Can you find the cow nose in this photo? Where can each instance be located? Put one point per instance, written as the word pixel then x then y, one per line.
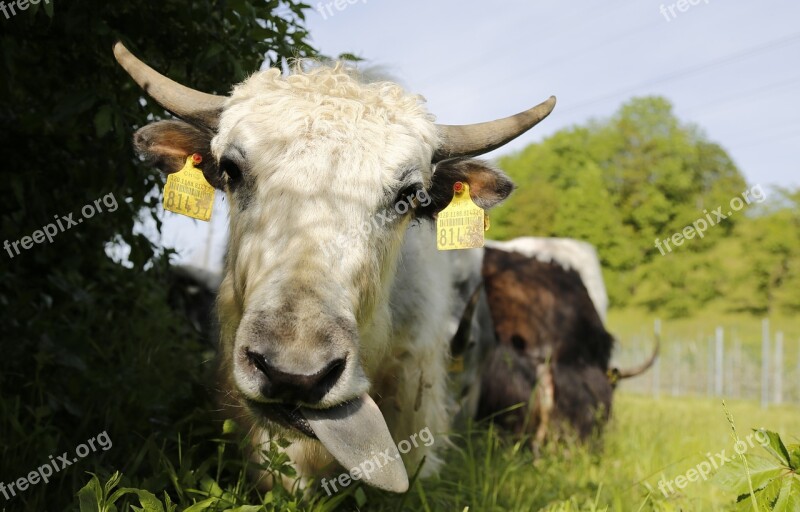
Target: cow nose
pixel 291 387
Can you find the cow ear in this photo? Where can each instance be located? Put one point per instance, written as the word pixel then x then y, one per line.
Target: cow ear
pixel 488 186
pixel 167 144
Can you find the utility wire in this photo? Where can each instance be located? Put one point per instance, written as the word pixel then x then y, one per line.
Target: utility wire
pixel 555 28
pixel 744 94
pixel 689 71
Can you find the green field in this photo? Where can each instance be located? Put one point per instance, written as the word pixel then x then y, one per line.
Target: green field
pixel 647 440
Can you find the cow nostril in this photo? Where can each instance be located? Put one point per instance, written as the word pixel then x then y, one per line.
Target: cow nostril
pixel 296 387
pixel 330 375
pixel 258 361
pixel 518 342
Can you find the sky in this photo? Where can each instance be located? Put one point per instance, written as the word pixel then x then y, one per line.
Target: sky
pixel 732 68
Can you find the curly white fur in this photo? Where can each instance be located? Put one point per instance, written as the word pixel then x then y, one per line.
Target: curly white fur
pixel 324 152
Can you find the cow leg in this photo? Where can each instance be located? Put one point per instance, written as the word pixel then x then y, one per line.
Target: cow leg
pixel 545 402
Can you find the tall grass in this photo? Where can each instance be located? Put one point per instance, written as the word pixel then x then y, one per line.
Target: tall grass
pixel 647 440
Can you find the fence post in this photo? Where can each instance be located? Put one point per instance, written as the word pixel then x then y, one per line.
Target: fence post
pixel 737 371
pixel 676 373
pixel 710 371
pixel 778 384
pixel 765 353
pixel 718 366
pixel 657 368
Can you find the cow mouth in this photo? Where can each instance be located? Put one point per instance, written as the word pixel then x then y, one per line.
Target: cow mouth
pixel 288 416
pixel 353 432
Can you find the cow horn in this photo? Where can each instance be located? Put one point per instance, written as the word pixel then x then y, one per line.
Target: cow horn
pixel 638 370
pixel 477 139
pixel 188 104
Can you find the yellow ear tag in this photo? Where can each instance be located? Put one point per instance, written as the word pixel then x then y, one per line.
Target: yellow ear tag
pixel 456 365
pixel 187 192
pixel 461 224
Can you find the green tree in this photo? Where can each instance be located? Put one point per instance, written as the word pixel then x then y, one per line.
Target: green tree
pixel 90 345
pixel 622 183
pixel 769 282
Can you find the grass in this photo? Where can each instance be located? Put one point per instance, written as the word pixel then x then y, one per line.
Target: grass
pixel 647 440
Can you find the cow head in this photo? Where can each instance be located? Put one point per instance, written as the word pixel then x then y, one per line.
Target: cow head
pixel 323 175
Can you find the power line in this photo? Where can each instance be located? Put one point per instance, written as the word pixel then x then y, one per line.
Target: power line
pixel 692 70
pixel 758 142
pixel 556 28
pixel 744 94
pixel 561 60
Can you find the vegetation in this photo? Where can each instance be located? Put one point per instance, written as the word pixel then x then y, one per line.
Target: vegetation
pixel 647 441
pixel 763 483
pixel 643 175
pixel 89 344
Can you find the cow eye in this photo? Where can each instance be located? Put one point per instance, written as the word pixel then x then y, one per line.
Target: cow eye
pixel 518 342
pixel 408 195
pixel 231 170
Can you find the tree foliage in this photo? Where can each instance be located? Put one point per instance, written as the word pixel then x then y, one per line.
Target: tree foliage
pixel 91 345
pixel 642 175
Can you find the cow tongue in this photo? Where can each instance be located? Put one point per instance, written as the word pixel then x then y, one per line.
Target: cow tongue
pixel 355 433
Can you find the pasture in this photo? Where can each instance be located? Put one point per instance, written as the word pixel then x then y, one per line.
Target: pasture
pixel 716 354
pixel 646 441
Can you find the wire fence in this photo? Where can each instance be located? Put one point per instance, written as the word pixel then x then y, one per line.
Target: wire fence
pixel 718 363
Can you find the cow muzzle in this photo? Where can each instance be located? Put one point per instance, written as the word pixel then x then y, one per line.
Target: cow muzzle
pixel 323 399
pixel 353 432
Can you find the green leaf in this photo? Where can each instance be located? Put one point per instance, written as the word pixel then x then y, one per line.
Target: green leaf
pixel 211 487
pixel 794 456
pixel 103 121
pixel 789 497
pixel 766 496
pixel 147 499
pixel 90 496
pixel 200 506
pixel 775 446
pixel 229 426
pixel 732 476
pixel 361 497
pixel 349 57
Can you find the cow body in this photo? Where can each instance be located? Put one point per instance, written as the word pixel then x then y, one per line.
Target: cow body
pixel 569 254
pixel 543 343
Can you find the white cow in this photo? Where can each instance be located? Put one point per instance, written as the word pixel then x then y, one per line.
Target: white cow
pixel 338 343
